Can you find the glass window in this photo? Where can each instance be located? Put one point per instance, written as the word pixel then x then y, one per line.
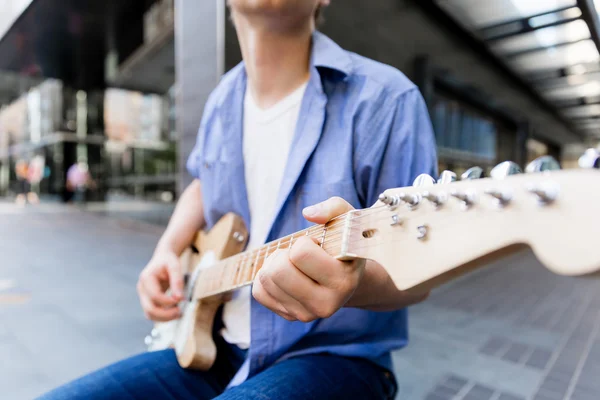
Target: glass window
pixel 460 128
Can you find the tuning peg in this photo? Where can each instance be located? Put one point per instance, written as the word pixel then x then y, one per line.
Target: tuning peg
pixel 424 180
pixel 390 201
pixel 447 177
pixel 590 159
pixel 544 163
pixel 472 173
pixel 505 169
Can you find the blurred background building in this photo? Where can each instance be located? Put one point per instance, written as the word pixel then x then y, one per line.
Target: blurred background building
pixel 121 84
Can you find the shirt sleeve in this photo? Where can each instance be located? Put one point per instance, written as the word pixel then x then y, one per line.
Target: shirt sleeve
pixel 196 158
pixel 400 146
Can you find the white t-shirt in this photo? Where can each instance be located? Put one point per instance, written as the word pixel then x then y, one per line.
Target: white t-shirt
pixel 268 135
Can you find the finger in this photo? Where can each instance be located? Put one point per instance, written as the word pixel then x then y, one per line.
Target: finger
pixel 315 263
pixel 295 284
pixel 175 277
pixel 264 298
pixel 152 288
pixel 286 301
pixel 159 314
pixel 323 212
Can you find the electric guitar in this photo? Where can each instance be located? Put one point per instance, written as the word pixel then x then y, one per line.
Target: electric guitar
pixel 423 236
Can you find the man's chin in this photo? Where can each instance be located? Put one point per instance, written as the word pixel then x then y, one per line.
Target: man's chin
pixel 273 7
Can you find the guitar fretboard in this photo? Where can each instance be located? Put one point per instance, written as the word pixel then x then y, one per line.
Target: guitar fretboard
pixel 241 269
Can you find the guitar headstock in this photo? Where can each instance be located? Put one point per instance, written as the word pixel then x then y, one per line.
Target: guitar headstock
pixel 425 235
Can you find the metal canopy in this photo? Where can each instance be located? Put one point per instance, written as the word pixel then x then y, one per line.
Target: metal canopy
pixel 552 44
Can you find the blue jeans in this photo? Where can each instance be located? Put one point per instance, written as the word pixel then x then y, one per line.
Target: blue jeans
pixel 158 376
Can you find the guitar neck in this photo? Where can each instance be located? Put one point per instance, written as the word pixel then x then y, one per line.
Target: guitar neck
pixel 241 269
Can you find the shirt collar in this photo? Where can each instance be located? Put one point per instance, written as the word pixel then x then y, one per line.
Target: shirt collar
pixel 328 54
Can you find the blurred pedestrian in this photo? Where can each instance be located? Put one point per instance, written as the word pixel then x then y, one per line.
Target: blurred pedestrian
pixel 21 172
pixel 78 181
pixel 35 174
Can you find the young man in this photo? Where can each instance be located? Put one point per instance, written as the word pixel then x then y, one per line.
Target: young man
pixel 299 122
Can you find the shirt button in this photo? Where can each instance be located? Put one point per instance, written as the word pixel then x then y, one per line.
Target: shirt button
pixel 206 165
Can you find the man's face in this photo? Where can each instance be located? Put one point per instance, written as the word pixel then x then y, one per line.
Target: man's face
pixel 297 8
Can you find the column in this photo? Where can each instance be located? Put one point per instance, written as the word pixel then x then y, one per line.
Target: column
pixel 199 59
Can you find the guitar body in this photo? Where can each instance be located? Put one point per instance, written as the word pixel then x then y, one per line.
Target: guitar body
pixel 191 335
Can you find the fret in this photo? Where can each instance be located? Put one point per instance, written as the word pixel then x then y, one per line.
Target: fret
pixel 223 271
pixel 247 261
pixel 291 241
pixel 255 263
pixel 246 269
pixel 278 244
pixel 323 238
pixel 236 271
pixel 266 254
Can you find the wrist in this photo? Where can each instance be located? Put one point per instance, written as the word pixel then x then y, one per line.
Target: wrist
pixel 164 246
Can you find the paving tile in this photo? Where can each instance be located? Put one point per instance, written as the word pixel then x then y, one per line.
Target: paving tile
pixel 445 391
pixel 454 382
pixel 505 396
pixel 479 392
pixel 539 358
pixel 515 352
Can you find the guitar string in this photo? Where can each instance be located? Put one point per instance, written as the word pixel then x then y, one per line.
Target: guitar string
pixel 285 241
pixel 377 240
pixel 241 264
pixel 373 241
pixel 317 231
pixel 336 237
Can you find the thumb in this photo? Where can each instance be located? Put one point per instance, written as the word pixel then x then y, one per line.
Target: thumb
pixel 175 276
pixel 323 212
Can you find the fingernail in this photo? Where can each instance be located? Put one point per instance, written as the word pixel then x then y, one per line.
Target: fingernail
pixel 311 211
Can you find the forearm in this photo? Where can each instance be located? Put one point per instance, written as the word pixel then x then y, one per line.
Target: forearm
pixel 377 292
pixel 186 221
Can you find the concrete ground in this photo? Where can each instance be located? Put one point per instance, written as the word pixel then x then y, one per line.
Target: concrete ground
pixel 68 306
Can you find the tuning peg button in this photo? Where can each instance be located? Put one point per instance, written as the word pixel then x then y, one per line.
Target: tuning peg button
pixel 424 180
pixel 437 199
pixel 447 177
pixel 468 198
pixel 412 200
pixel 541 164
pixel 390 201
pixel 472 173
pixel 505 169
pixel 502 198
pixel 590 159
pixel 545 194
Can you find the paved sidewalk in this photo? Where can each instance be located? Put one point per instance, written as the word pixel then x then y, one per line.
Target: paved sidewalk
pixel 67 295
pixel 68 306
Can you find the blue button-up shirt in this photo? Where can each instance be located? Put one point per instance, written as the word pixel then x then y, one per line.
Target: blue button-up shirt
pixel 363 127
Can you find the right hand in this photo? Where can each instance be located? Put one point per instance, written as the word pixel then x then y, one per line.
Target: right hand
pixel 163 272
